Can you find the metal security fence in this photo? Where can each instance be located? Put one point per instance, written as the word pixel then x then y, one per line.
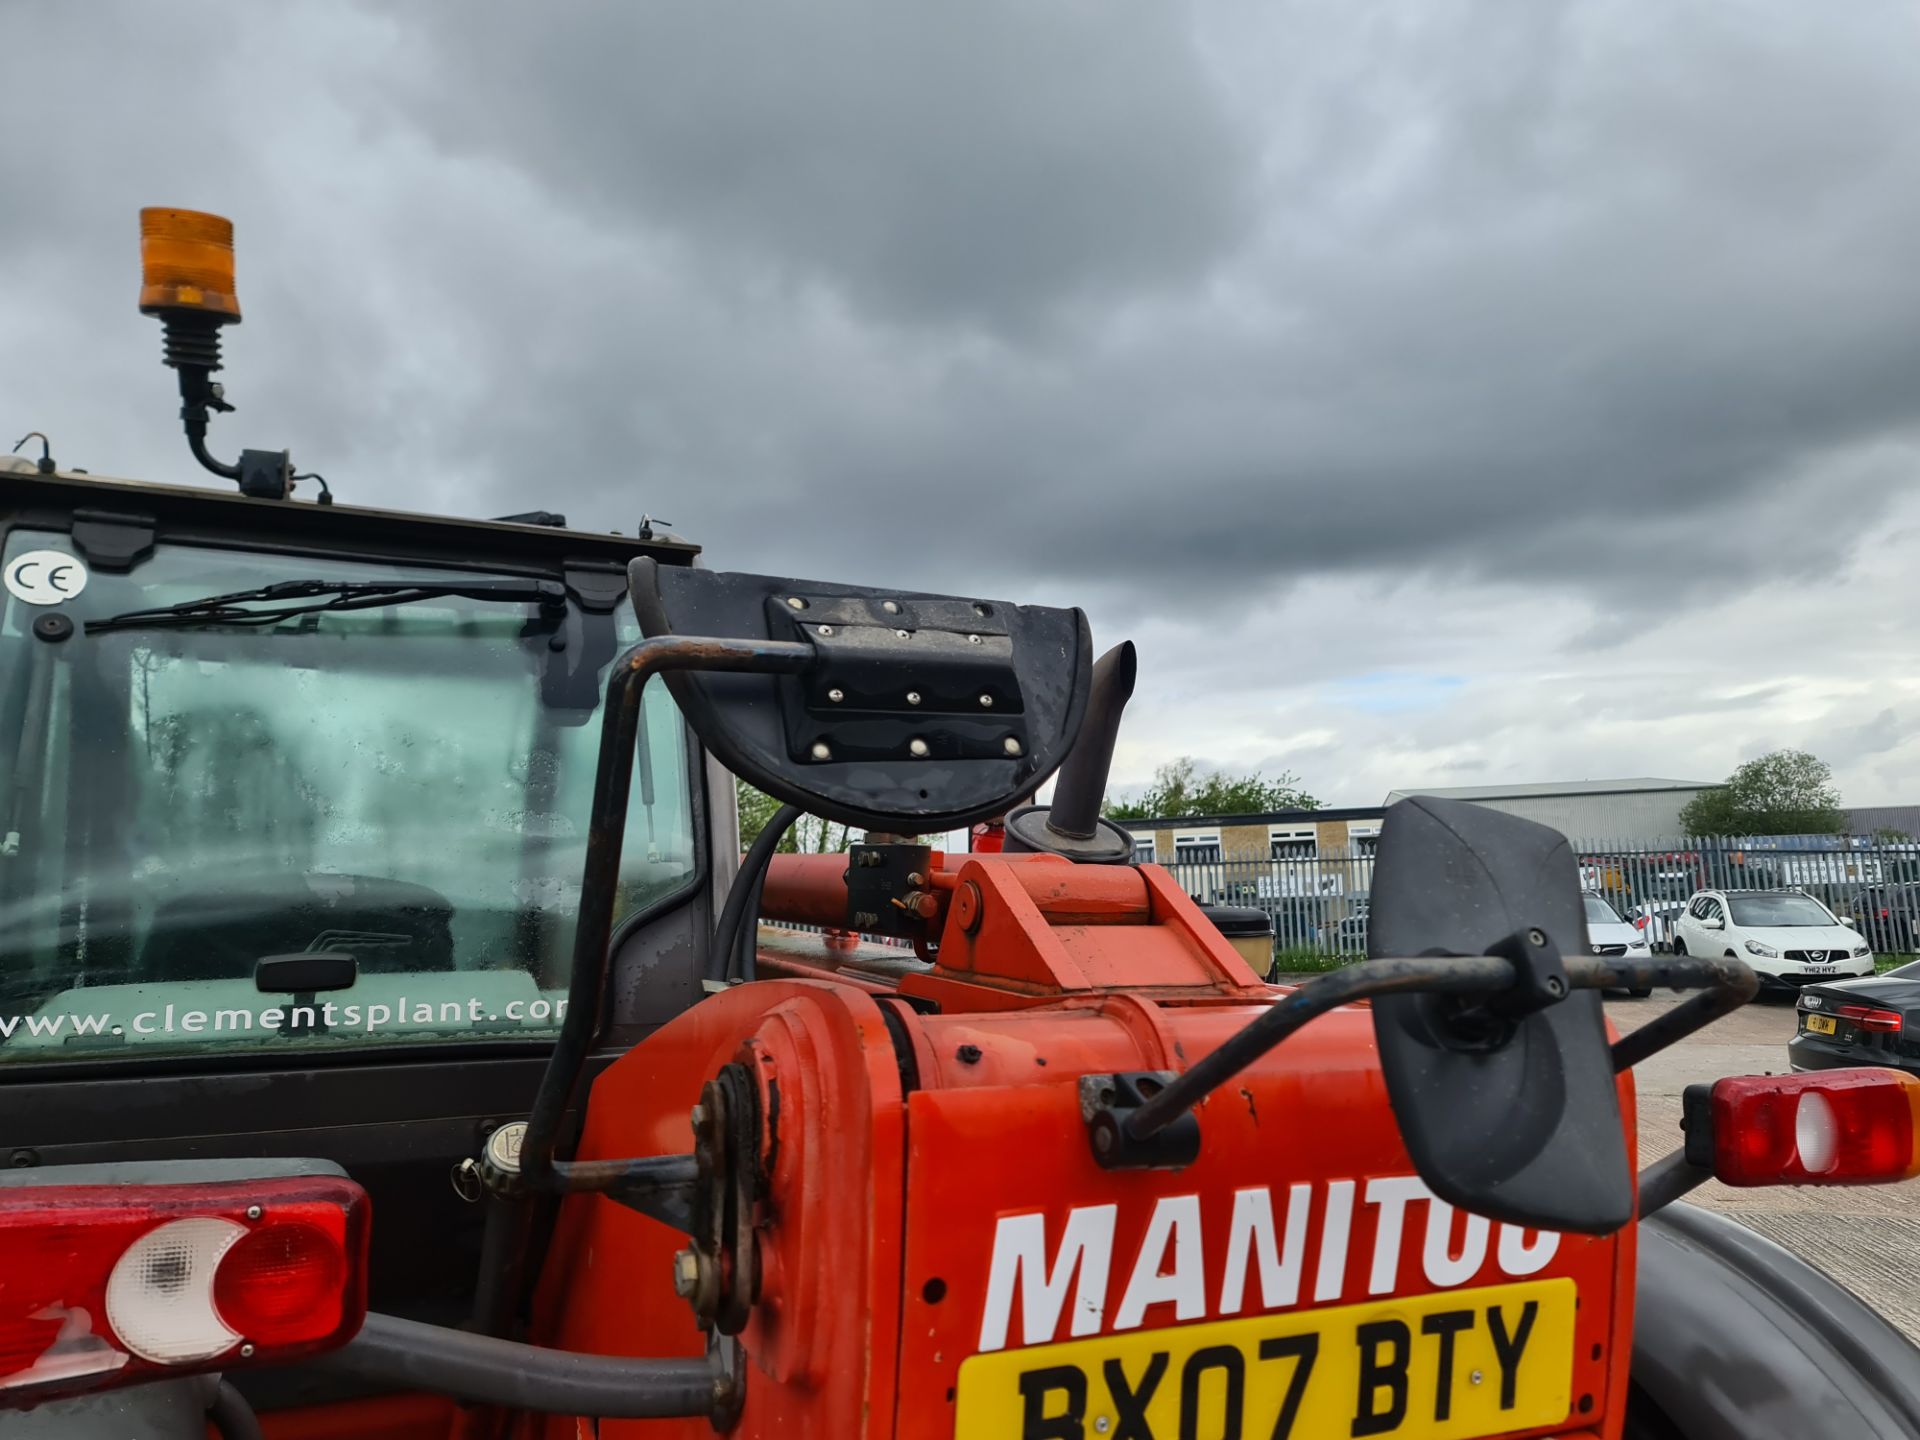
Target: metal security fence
pixel 1318 898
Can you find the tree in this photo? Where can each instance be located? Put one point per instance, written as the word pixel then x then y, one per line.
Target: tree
pixel 809 835
pixel 1786 793
pixel 1179 788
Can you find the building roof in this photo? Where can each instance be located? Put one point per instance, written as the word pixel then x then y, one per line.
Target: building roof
pixel 1870 819
pixel 1540 791
pixel 1270 817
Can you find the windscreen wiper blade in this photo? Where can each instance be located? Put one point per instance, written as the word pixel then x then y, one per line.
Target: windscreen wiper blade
pixel 263 607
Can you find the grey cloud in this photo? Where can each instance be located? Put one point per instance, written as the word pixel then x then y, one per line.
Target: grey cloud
pixel 973 164
pixel 1884 732
pixel 1578 324
pixel 1561 295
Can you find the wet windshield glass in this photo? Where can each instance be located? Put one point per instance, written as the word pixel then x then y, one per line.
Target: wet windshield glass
pixel 1777 910
pixel 409 785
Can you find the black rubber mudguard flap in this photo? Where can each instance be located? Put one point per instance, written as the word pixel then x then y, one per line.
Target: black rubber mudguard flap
pixel 920 713
pixel 1517 1120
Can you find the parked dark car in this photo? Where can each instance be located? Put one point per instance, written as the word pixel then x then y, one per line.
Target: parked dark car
pixel 1870 1021
pixel 1889 916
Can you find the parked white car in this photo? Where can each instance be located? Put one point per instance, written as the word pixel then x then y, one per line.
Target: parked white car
pixel 1787 937
pixel 1608 934
pixel 1655 920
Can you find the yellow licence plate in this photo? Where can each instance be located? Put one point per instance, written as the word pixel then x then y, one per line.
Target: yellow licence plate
pixel 1443 1367
pixel 1822 1024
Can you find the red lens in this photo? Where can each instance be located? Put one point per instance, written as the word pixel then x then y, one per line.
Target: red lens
pixel 56 1266
pixel 282 1284
pixel 1836 1127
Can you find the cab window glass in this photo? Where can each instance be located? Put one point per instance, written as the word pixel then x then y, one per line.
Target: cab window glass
pixel 407 784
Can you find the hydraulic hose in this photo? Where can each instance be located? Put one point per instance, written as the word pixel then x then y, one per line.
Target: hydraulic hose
pixel 746 885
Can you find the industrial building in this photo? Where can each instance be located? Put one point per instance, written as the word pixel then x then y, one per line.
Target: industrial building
pixel 1625 812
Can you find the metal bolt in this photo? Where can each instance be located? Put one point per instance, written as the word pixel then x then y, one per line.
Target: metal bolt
pixel 826 630
pixel 246 1351
pixel 900 635
pixel 796 603
pixel 986 702
pixel 913 697
pixel 917 748
pixel 24 1159
pixel 1103 1140
pixel 973 639
pixel 892 607
pixel 1011 745
pixel 836 695
pixel 1101 1424
pixel 1536 937
pixel 1475 1377
pixel 253 1212
pixel 969 1054
pixel 1556 986
pixel 686 1274
pixel 821 750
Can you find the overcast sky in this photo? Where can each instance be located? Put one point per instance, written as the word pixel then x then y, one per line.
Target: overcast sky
pixel 1437 393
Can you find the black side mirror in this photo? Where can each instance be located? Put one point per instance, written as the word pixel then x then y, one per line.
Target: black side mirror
pixel 914 713
pixel 1507 1103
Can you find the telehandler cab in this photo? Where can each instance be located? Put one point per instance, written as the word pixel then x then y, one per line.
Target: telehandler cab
pixel 394 1042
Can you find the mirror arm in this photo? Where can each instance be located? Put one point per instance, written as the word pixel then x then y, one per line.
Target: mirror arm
pixel 606 830
pixel 1726 985
pixel 1667 1179
pixel 1117 1134
pixel 1123 1133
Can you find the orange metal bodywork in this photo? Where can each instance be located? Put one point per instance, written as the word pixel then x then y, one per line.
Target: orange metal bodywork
pixel 897 1143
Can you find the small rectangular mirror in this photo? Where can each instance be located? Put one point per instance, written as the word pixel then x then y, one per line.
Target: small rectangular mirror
pixel 308 973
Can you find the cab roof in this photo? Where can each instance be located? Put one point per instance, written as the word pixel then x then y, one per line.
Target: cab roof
pixel 190 513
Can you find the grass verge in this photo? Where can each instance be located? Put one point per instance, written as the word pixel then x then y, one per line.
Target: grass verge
pixel 1304 960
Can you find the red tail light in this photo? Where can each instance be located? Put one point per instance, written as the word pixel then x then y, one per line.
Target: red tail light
pixel 1832 1127
pixel 1868 1018
pixel 108 1285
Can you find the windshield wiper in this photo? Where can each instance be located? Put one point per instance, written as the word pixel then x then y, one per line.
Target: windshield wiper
pixel 244 607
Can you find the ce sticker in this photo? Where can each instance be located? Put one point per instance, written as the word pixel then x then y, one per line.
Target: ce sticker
pixel 45 577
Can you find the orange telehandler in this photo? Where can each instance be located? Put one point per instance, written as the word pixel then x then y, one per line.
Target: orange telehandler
pixel 397 1044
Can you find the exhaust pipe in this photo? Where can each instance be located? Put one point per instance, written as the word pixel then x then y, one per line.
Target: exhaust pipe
pixel 1072 825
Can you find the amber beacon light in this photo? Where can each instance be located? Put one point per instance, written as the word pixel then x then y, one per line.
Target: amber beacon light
pixel 186 282
pixel 186 264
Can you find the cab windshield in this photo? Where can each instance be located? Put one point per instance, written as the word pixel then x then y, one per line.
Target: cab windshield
pixel 406 784
pixel 1778 911
pixel 1599 912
